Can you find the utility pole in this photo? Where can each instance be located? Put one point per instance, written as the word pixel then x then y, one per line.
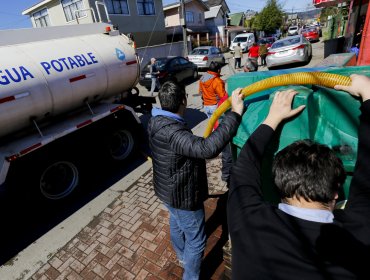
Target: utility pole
pixel 183 24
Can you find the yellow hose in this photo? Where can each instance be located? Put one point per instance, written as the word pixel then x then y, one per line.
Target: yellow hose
pixel 301 78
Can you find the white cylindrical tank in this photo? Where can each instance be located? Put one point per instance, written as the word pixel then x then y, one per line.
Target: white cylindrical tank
pixel 47 78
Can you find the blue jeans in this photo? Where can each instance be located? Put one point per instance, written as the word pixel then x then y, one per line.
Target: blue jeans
pixel 155 83
pixel 188 237
pixel 209 109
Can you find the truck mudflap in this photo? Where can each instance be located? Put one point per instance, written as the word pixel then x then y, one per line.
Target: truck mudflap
pixel 14 149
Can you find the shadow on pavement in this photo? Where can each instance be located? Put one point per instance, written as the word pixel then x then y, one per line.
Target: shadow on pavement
pixel 214 258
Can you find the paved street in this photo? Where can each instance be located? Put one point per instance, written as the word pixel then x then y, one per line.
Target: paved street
pixel 124 232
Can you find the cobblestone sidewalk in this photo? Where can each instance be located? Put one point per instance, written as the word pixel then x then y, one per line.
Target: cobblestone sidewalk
pixel 130 238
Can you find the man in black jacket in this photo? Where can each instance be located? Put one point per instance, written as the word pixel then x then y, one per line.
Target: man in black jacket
pixel 303 237
pixel 179 170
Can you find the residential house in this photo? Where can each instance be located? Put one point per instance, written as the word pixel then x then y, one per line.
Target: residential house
pixel 237 19
pixel 194 21
pixel 142 18
pixel 236 25
pixel 216 21
pixel 293 19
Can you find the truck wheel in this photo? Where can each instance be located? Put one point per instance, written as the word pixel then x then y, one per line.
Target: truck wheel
pixel 59 179
pixel 135 91
pixel 121 144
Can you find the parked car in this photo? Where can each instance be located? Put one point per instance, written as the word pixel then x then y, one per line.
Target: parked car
pixel 311 34
pixel 318 27
pixel 266 40
pixel 276 34
pixel 204 56
pixel 170 68
pixel 289 50
pixel 293 30
pixel 246 40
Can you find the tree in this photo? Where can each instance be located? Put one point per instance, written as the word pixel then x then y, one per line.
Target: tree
pixel 270 18
pixel 248 23
pixel 329 11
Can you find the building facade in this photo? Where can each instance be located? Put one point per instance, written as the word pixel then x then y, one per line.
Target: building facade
pixel 351 26
pixel 144 19
pixel 216 20
pixel 194 21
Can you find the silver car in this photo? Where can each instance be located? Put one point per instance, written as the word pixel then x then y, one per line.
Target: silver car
pixel 204 56
pixel 293 30
pixel 289 50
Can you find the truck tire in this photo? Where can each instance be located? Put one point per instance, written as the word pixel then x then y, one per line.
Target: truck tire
pixel 121 144
pixel 58 180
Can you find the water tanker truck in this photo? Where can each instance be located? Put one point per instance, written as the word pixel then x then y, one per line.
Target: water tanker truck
pixel 59 88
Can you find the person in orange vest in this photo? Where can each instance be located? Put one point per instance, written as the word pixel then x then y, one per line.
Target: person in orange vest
pixel 212 88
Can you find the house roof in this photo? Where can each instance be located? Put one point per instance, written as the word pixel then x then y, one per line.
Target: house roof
pixel 236 18
pixel 177 4
pixel 213 12
pixel 213 3
pixel 35 7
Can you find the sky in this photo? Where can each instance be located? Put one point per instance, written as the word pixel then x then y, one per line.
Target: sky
pixel 11 11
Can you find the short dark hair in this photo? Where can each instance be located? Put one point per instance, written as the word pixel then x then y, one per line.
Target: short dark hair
pixel 214 66
pixel 171 95
pixel 308 170
pixel 250 65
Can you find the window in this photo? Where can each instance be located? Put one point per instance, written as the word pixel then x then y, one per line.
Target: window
pixel 215 51
pixel 117 7
pixel 145 7
pixel 174 63
pixel 41 18
pixel 200 18
pixel 183 61
pixel 286 42
pixel 189 17
pixel 70 6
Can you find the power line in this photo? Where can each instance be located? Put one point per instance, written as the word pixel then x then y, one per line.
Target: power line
pixel 237 3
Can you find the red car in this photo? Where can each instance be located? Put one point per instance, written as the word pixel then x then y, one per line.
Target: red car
pixel 311 34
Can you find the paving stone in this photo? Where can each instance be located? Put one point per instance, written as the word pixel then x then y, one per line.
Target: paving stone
pixel 113 272
pixel 74 276
pixel 130 239
pixel 55 262
pixel 52 273
pixel 77 266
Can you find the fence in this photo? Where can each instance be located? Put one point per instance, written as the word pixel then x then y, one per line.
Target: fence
pixel 212 40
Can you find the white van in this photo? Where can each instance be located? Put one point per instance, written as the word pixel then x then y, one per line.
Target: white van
pixel 246 40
